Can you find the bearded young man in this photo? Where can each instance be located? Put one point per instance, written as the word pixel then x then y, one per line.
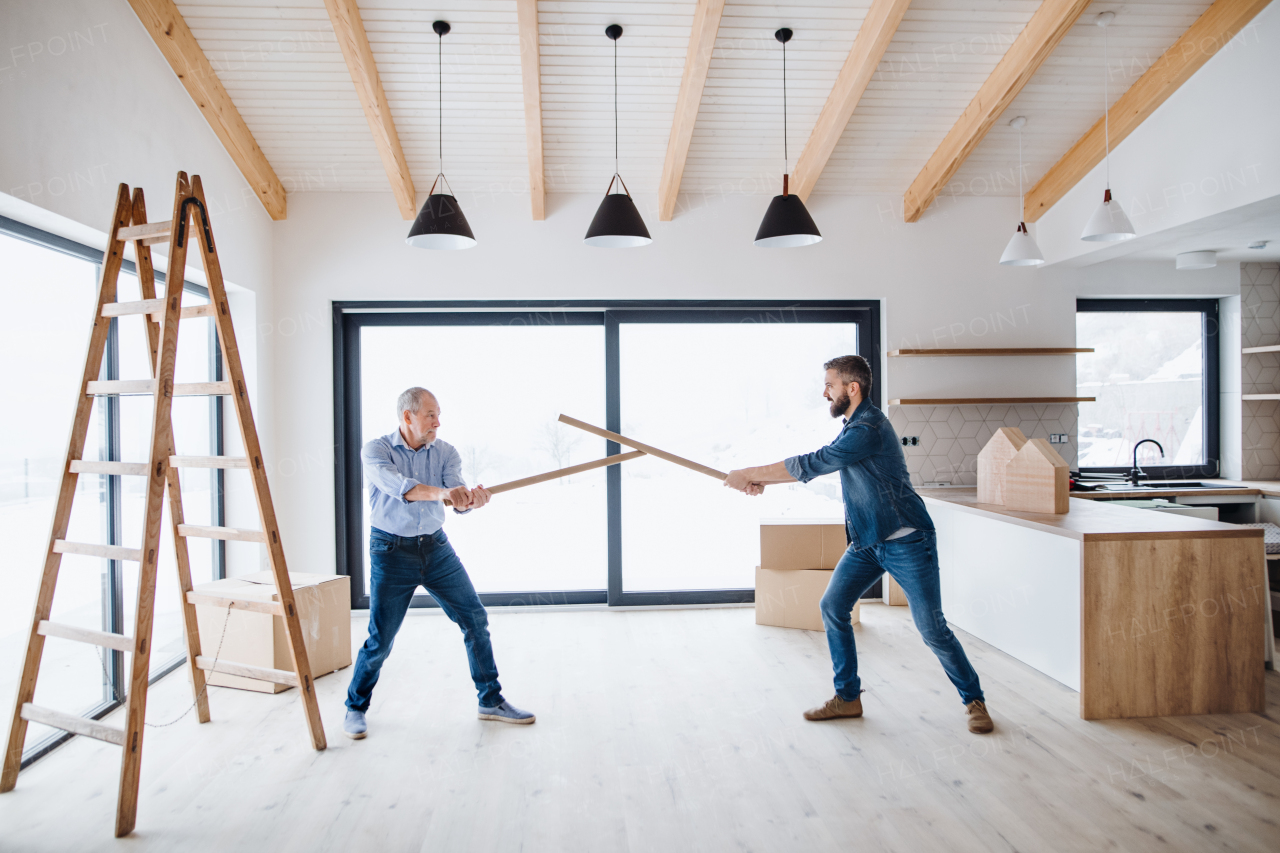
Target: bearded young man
pixel 889 531
pixel 410 472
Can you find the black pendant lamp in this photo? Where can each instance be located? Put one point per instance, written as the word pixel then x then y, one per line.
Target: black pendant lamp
pixel 786 223
pixel 440 223
pixel 617 223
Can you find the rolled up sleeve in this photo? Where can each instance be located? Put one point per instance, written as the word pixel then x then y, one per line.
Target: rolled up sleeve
pixel 849 447
pixel 380 471
pixel 451 474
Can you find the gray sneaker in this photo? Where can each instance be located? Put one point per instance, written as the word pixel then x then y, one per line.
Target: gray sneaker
pixel 354 725
pixel 505 712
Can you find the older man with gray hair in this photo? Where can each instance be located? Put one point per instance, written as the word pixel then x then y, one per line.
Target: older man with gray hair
pixel 410 473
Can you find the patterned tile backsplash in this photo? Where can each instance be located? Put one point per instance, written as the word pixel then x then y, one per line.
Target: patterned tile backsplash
pixel 952 436
pixel 1260 326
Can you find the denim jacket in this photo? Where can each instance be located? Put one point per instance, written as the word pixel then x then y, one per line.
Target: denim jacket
pixel 878 497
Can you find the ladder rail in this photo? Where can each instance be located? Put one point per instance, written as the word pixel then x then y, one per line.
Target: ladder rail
pixel 257 472
pixel 161 449
pixel 190 629
pixel 108 277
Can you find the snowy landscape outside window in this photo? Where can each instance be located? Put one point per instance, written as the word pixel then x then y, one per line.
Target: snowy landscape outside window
pixel 1148 373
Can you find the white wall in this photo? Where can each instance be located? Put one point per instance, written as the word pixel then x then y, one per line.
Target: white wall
pixel 939 282
pixel 88 103
pixel 1211 147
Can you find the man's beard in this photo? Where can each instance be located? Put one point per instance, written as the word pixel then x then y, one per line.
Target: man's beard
pixel 840 406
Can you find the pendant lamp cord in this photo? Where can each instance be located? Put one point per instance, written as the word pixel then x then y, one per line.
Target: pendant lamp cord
pixel 440 99
pixel 1106 105
pixel 615 106
pixel 786 157
pixel 1020 174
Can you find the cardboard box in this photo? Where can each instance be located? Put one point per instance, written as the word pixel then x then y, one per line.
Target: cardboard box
pixel 801 544
pixel 789 598
pixel 258 639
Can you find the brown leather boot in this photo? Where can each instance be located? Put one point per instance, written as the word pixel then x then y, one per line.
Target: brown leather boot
pixel 834 709
pixel 979 720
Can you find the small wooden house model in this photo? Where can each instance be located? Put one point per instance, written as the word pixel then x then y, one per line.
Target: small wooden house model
pixel 1037 479
pixel 1000 450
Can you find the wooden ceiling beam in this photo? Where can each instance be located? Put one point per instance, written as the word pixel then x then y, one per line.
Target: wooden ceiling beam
pixel 1029 50
pixel 348 27
pixel 1209 34
pixel 531 81
pixel 171 34
pixel 697 62
pixel 868 49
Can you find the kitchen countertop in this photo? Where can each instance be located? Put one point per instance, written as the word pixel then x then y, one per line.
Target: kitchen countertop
pixel 1098 521
pixel 1227 487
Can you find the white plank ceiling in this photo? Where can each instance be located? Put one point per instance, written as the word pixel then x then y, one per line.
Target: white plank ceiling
pixel 285 73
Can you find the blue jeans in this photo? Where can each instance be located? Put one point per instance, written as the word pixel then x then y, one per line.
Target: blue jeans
pixel 398 565
pixel 912 561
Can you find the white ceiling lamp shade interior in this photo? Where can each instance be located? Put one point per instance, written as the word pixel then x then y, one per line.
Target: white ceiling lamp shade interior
pixel 1197 260
pixel 1022 250
pixel 1109 224
pixel 617 223
pixel 786 223
pixel 440 223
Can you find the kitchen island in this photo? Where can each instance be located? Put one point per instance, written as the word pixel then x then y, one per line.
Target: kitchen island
pixel 1143 613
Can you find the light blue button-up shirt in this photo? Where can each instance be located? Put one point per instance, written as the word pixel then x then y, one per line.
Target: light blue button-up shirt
pixel 392 468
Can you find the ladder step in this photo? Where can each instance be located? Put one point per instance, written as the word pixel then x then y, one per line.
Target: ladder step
pixel 148 386
pixel 244 670
pixel 152 232
pixel 119 642
pixel 154 307
pixel 208 462
pixel 111 552
pixel 232 533
pixel 272 608
pixel 93 466
pixel 72 723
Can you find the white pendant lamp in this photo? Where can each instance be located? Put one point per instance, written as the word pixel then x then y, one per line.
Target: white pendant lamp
pixel 1108 223
pixel 440 223
pixel 1022 250
pixel 786 223
pixel 617 223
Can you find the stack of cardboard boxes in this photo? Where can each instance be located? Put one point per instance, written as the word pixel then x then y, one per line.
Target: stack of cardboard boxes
pixel 796 561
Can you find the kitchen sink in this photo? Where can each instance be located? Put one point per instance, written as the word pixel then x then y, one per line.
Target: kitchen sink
pixel 1157 485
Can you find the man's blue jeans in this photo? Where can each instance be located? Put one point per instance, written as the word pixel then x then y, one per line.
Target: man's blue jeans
pixel 913 562
pixel 398 565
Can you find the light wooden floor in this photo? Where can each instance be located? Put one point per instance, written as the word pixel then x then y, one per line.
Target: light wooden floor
pixel 668 731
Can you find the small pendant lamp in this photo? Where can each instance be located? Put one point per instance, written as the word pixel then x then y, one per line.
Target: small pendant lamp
pixel 440 223
pixel 1022 250
pixel 1108 223
pixel 617 223
pixel 786 223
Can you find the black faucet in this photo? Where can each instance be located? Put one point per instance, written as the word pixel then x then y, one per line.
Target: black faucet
pixel 1136 473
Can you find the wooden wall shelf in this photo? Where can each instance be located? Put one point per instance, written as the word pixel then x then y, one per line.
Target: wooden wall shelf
pixel 917 353
pixel 983 401
pixel 1260 396
pixel 1251 350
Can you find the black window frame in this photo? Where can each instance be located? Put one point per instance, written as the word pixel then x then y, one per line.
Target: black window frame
pixel 350 316
pixel 113 593
pixel 1211 384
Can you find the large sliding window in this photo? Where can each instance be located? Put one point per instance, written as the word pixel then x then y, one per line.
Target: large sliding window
pixel 728 385
pixel 52 290
pixel 1154 372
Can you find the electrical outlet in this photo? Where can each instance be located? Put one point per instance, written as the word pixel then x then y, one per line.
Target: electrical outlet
pixel 911 441
pixel 1058 438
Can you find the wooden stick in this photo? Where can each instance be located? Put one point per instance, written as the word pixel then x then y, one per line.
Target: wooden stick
pixel 562 472
pixel 652 451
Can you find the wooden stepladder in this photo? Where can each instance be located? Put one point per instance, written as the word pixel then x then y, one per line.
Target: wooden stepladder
pixel 163 315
